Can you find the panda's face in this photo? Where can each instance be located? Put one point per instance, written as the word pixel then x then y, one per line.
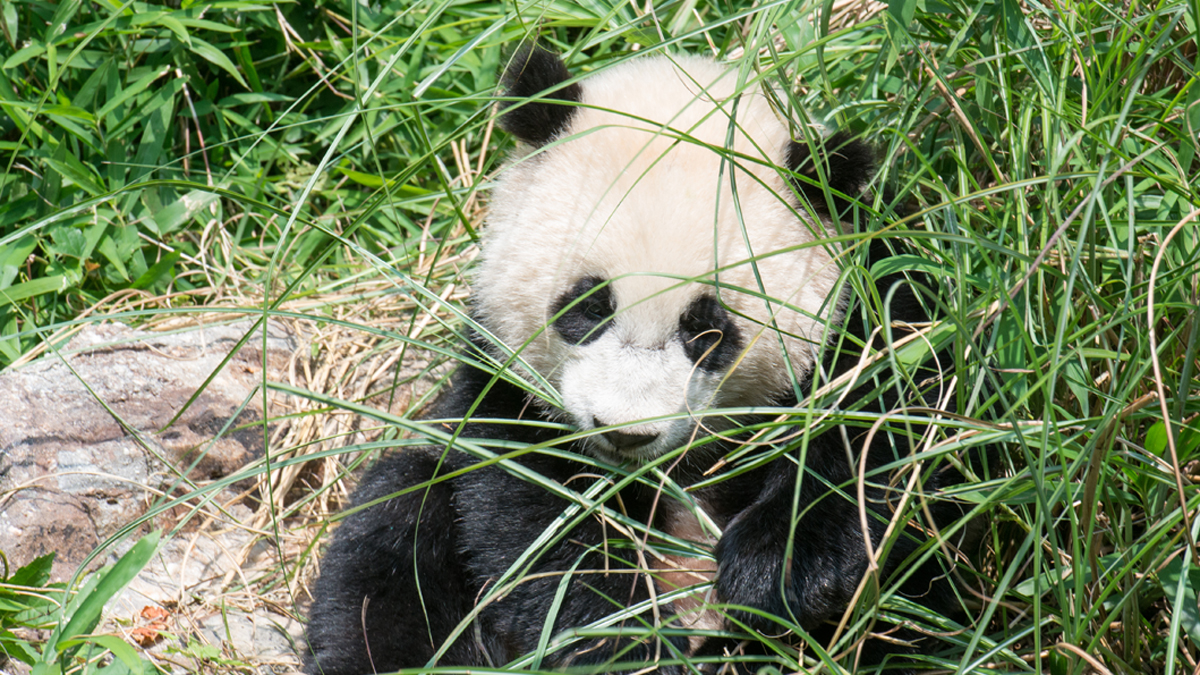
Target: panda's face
pixel 654 271
pixel 647 366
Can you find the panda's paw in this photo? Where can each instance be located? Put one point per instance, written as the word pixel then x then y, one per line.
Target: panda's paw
pixel 757 571
pixel 750 572
pixel 756 596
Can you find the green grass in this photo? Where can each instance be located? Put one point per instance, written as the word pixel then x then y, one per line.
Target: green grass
pixel 331 158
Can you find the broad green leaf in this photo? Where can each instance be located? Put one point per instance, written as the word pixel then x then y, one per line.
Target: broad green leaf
pixel 45 668
pixel 7 605
pixel 1180 589
pixel 131 91
pixel 1021 37
pixel 23 121
pixel 71 268
pixel 69 166
pixel 902 11
pixel 246 61
pixel 1077 381
pixel 144 18
pixel 1156 439
pixel 178 213
pixel 13 258
pixel 81 131
pixel 155 130
pixel 1187 440
pixel 85 617
pixel 88 59
pixel 17 648
pixel 1187 152
pixel 34 573
pixel 8 14
pixel 69 111
pixel 85 96
pixel 239 5
pixel 203 24
pixel 918 351
pixel 157 271
pixel 65 240
pixel 217 58
pixel 62 16
pixel 1096 353
pixel 253 97
pixel 1010 350
pixel 117 667
pixel 113 667
pixel 175 26
pixel 33 288
pixel 362 178
pixel 24 54
pixel 52 60
pixel 108 249
pixel 120 648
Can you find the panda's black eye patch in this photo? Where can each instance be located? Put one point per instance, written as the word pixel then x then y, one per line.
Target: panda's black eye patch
pixel 710 337
pixel 583 311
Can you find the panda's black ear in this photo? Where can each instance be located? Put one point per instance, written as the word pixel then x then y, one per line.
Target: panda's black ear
pixel 847 164
pixel 532 71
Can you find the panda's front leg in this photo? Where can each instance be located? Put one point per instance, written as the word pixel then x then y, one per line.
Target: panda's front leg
pixel 635 642
pixel 582 576
pixel 804 580
pixel 392 585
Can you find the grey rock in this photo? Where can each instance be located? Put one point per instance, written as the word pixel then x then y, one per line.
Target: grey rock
pixel 90 436
pixel 95 436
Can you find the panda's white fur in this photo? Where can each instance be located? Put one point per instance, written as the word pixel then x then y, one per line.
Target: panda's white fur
pixel 638 189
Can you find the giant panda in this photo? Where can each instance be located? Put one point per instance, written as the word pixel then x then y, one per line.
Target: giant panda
pixel 660 255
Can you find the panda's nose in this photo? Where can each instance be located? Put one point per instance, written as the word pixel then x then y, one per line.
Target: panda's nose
pixel 624 440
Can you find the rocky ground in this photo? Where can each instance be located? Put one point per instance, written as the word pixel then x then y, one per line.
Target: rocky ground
pixel 123 432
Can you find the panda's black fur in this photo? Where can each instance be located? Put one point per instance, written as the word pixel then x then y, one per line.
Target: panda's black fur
pixel 402 574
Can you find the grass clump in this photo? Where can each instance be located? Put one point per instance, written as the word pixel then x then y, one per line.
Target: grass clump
pixel 327 162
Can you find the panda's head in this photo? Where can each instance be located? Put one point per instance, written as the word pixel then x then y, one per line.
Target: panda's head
pixel 648 254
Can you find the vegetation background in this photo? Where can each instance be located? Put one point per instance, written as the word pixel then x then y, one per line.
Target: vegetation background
pixel 327 161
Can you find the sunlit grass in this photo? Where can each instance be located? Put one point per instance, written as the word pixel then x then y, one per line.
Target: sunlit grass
pixel 327 164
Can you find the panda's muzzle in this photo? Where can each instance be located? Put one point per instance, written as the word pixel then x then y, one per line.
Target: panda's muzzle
pixel 623 440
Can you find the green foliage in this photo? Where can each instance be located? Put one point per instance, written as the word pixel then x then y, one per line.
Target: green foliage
pixel 142 151
pixel 27 602
pixel 79 617
pixel 1047 155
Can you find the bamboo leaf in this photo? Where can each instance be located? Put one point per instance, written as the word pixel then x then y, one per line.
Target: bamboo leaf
pixel 217 58
pixel 32 288
pixel 62 16
pixel 176 214
pixel 24 54
pixel 118 577
pixel 132 90
pixel 1180 589
pixel 120 648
